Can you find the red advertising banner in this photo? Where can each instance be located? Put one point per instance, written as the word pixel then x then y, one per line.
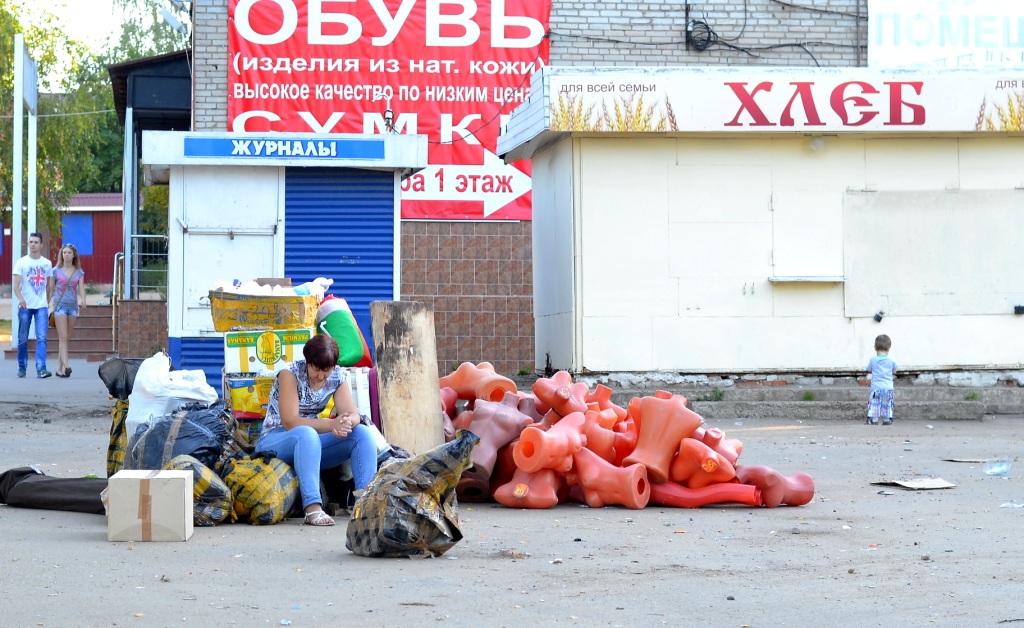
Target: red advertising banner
pixel 452 70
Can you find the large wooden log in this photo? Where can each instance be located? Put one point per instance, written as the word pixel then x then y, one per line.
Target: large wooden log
pixel 409 398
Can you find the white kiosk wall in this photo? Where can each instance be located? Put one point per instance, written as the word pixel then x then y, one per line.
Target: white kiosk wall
pixel 734 254
pixel 220 230
pixel 750 219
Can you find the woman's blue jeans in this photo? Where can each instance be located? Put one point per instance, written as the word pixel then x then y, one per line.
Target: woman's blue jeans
pixel 308 452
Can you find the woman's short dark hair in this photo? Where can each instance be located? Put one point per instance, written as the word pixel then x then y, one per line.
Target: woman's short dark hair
pixel 321 351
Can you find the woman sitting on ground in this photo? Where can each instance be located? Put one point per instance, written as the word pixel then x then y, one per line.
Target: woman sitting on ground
pixel 293 431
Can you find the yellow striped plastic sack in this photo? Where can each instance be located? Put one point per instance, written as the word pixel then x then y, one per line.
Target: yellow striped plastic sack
pixel 118 437
pixel 211 497
pixel 264 489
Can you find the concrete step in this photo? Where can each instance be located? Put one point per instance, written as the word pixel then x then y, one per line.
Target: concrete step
pixel 842 401
pixel 91 333
pixel 94 323
pixel 839 410
pixel 845 401
pixel 93 336
pixel 97 311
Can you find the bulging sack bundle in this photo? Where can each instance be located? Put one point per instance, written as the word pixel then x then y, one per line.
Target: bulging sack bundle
pixel 409 508
pixel 118 375
pixel 264 489
pixel 195 431
pixel 211 497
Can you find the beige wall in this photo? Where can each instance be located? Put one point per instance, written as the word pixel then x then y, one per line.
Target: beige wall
pixel 680 238
pixel 555 222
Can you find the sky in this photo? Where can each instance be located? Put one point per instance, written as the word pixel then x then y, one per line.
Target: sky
pixel 91 22
pixel 88 21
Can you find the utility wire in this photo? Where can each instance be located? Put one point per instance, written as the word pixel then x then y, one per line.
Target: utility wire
pixel 504 103
pixel 701 37
pixel 670 42
pixel 65 115
pixel 805 7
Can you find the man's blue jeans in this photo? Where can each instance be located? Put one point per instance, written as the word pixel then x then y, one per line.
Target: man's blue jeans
pixel 26 317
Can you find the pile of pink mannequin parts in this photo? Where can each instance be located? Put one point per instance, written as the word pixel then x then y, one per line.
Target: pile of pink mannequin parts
pixel 565 442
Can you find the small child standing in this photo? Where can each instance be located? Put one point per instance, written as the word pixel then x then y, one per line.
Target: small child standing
pixel 882 368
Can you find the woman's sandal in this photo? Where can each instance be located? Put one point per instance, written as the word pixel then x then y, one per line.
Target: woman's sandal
pixel 318 518
pixel 67 371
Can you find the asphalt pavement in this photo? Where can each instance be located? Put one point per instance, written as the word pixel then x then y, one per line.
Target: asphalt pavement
pixel 869 554
pixel 84 383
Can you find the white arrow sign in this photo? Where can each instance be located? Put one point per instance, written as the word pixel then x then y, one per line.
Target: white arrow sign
pixel 494 182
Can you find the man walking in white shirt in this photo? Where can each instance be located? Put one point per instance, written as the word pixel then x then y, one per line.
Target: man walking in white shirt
pixel 31 278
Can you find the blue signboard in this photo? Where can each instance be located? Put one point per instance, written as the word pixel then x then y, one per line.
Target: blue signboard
pixel 77 229
pixel 275 148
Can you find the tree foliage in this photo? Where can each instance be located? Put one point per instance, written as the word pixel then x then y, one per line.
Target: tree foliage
pixel 153 213
pixel 143 32
pixel 80 142
pixel 106 141
pixel 61 138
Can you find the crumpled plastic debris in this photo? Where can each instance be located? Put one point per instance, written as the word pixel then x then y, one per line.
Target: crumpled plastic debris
pixel 410 507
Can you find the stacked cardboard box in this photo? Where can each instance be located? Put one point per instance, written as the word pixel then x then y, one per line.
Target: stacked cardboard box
pixel 263 350
pixel 233 312
pixel 251 360
pixel 262 335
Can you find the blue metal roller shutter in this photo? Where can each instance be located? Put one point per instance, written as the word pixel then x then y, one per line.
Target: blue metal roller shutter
pixel 205 354
pixel 340 224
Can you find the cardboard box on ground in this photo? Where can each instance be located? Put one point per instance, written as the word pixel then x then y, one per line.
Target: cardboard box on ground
pixel 149 506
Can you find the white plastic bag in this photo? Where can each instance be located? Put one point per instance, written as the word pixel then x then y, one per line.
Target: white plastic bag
pixel 158 391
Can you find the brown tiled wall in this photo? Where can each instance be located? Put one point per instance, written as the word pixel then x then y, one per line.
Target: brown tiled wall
pixel 478 276
pixel 141 328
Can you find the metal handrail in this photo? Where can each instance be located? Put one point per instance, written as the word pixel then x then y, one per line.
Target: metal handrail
pixel 142 256
pixel 115 293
